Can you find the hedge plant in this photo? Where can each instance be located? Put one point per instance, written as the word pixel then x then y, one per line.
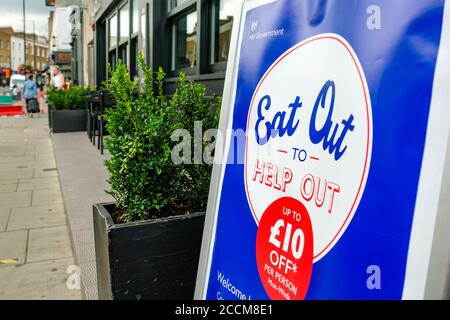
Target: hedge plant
pixel 70 99
pixel 145 182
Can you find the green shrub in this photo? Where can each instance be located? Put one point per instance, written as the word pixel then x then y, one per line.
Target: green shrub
pixel 71 99
pixel 144 181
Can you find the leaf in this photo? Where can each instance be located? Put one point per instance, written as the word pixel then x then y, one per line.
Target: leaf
pixel 144 181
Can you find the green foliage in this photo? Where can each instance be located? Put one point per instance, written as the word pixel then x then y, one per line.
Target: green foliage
pixel 144 181
pixel 71 99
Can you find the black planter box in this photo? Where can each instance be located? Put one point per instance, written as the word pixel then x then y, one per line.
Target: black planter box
pixel 153 260
pixel 49 117
pixel 68 120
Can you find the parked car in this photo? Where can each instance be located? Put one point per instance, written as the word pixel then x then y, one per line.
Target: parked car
pixel 16 84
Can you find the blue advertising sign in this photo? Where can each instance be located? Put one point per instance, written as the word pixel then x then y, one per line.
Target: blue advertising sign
pixel 336 122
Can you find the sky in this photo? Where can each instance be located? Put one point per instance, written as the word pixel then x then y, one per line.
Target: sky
pixel 11 14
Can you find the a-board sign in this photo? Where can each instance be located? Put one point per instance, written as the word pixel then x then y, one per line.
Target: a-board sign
pixel 335 126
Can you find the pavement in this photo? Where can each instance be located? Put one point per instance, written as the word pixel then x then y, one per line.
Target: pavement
pixel 83 177
pixel 36 256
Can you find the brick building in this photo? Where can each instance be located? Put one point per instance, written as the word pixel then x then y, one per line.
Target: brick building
pixel 5 47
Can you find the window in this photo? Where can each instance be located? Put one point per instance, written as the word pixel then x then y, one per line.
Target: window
pixel 124 22
pixel 133 57
pixel 113 31
pixel 174 3
pixel 91 64
pixel 184 41
pixel 135 16
pixel 112 59
pixel 222 12
pixel 144 30
pixel 123 53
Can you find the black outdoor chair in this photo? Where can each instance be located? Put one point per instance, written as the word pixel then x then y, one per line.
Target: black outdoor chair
pixel 95 100
pixel 107 101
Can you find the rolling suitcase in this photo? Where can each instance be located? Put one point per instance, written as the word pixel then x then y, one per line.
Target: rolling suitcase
pixel 33 106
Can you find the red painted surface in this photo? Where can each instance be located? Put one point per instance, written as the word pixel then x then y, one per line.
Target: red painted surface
pixel 11 110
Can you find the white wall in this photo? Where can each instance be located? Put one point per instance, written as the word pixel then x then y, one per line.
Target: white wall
pixel 62 29
pixel 16 52
pixel 88 35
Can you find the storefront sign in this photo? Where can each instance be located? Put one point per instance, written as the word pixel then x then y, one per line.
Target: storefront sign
pixel 346 121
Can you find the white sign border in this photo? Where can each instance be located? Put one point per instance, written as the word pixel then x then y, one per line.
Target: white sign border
pixel 428 196
pixel 222 147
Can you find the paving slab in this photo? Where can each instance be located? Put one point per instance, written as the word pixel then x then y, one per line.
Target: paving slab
pixel 12 150
pixel 8 181
pixel 83 237
pixel 26 158
pixel 48 196
pixel 45 171
pixel 38 281
pixel 37 217
pixel 38 184
pixel 13 246
pixel 4 217
pixel 40 150
pixel 36 256
pixel 8 187
pixel 39 165
pixel 86 252
pixel 16 173
pixel 83 178
pixel 15 199
pixel 49 243
pixel 89 279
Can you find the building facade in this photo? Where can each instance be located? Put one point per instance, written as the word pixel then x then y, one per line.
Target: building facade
pixel 36 54
pixel 60 40
pixel 5 47
pixel 88 32
pixel 191 36
pixel 16 53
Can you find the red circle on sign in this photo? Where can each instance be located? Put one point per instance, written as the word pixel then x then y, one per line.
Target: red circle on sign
pixel 284 250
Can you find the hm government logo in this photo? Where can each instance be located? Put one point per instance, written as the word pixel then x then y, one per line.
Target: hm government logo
pixel 310 140
pixel 254 25
pixel 257 35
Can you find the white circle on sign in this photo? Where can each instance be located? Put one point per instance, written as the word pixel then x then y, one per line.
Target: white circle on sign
pixel 309 136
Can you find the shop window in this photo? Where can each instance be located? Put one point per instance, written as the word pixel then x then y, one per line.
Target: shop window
pixel 112 59
pixel 113 31
pixel 172 4
pixel 184 41
pixel 222 12
pixel 124 22
pixel 135 16
pixel 144 27
pixel 123 53
pixel 133 57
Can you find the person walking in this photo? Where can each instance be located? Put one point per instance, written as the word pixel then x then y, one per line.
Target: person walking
pixel 57 79
pixel 29 89
pixel 41 99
